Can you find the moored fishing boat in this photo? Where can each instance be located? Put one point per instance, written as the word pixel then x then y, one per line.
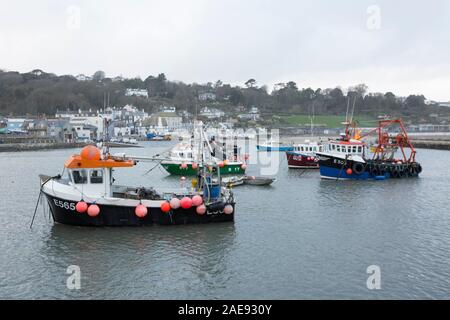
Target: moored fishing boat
pixel 187 158
pixel 348 158
pixel 304 156
pixel 158 137
pixel 270 146
pixel 86 195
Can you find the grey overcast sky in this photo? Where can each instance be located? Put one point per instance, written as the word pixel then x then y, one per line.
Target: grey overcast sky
pixel 400 46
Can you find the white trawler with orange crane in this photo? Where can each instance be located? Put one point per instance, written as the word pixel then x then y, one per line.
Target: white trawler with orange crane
pixel 86 195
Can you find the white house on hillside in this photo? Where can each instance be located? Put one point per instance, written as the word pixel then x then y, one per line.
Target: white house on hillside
pixel 170 120
pixel 211 113
pixel 205 96
pixel 136 93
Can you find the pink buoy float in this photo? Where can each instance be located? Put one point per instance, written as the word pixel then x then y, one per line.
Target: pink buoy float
pixel 93 210
pixel 186 203
pixel 81 206
pixel 165 207
pixel 197 200
pixel 228 209
pixel 141 211
pixel 175 203
pixel 201 210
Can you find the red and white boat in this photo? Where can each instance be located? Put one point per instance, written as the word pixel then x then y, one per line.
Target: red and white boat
pixel 304 155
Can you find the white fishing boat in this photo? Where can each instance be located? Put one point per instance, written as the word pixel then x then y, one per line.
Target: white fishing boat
pixel 86 195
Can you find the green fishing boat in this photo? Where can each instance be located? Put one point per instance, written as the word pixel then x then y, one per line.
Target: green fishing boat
pixel 186 158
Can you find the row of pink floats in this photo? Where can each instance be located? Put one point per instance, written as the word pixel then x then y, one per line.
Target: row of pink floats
pixel 187 203
pixel 221 164
pixel 141 211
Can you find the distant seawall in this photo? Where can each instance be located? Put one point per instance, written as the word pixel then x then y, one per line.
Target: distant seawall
pixel 15 147
pixel 431 144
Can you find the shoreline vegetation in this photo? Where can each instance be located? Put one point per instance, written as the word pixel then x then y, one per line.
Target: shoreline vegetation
pixel 37 93
pixel 287 106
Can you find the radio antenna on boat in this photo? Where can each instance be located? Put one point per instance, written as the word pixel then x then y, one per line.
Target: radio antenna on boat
pixel 353 109
pixel 348 105
pixel 311 117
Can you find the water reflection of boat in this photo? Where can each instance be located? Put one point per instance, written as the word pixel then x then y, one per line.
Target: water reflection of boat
pixel 198 248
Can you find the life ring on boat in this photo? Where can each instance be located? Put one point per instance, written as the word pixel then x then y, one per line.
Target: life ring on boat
pixel 395 173
pixel 419 168
pixel 381 170
pixel 374 171
pixel 358 168
pixel 402 172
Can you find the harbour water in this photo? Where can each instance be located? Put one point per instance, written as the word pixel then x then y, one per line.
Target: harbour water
pixel 302 237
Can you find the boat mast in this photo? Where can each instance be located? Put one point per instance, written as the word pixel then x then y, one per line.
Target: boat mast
pixel 312 121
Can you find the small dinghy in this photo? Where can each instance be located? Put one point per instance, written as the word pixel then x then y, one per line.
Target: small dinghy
pixel 258 181
pixel 232 181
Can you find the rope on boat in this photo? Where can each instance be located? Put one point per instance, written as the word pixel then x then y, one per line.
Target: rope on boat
pixel 303 172
pixel 39 198
pixel 342 167
pixel 153 168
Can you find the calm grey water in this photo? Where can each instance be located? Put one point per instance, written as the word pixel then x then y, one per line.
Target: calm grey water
pixel 301 238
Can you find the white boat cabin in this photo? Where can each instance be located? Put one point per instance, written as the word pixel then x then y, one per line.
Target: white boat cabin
pixel 182 152
pixel 308 148
pixel 356 148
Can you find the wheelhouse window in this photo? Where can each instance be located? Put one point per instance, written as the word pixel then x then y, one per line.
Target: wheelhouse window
pixel 79 176
pixel 96 176
pixel 354 149
pixel 359 149
pixel 338 148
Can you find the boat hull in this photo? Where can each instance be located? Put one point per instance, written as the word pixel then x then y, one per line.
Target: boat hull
pixel 63 211
pixel 300 161
pixel 336 168
pixel 175 169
